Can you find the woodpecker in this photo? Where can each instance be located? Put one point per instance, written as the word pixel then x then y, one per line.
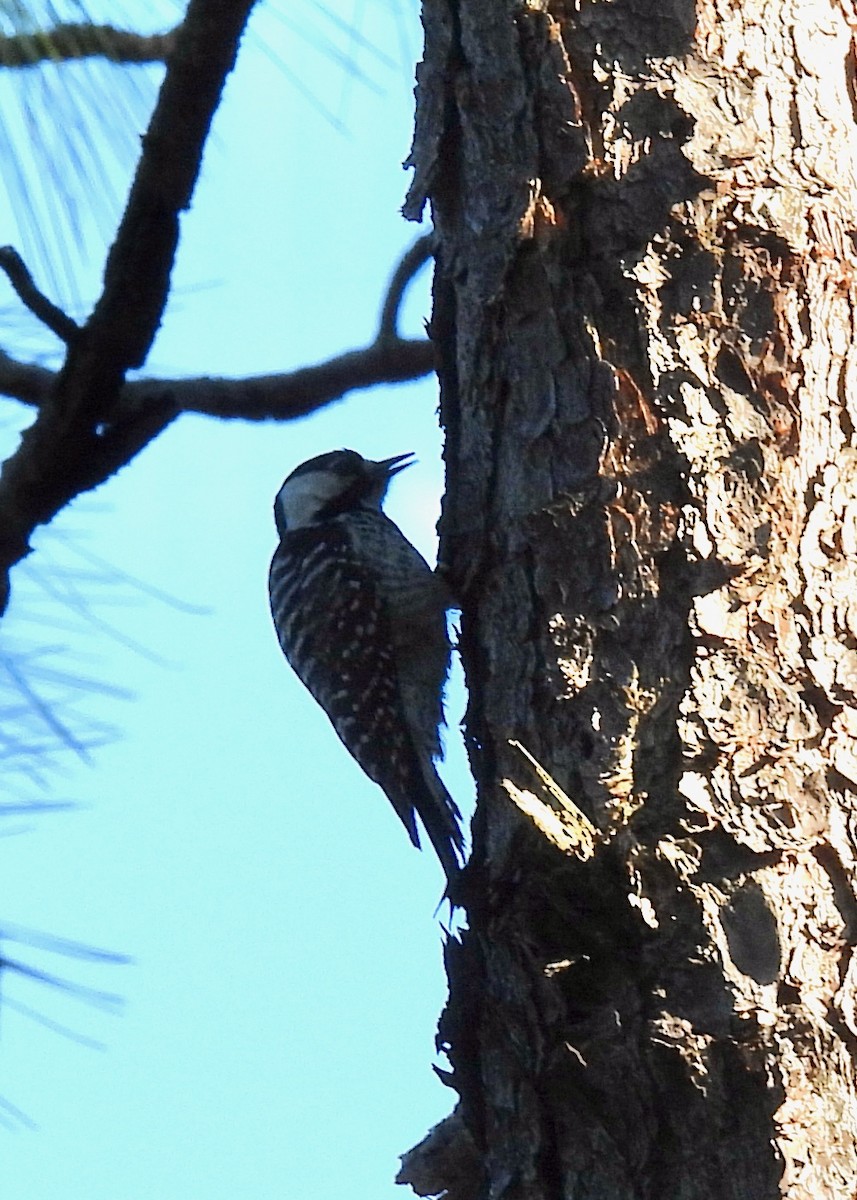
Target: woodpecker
pixel 361 618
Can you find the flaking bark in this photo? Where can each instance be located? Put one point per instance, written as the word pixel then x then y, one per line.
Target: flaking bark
pixel 644 317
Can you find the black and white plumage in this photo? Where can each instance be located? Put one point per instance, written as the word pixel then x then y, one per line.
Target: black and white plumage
pixel 361 617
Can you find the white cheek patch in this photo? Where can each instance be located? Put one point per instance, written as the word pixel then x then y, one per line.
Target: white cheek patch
pixel 300 499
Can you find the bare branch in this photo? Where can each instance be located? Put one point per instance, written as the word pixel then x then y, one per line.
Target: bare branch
pixel 257 398
pixel 280 397
pixel 39 305
pixel 412 260
pixel 27 382
pixel 285 397
pixel 80 436
pixel 66 42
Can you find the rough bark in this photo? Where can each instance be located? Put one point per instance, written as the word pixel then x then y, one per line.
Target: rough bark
pixel 644 311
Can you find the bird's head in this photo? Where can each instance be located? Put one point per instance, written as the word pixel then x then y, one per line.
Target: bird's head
pixel 331 484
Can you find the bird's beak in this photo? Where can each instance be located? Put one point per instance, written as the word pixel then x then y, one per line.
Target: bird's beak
pixel 388 467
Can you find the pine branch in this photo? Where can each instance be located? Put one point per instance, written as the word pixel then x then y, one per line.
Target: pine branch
pixel 278 397
pixel 37 302
pixel 80 436
pixel 64 43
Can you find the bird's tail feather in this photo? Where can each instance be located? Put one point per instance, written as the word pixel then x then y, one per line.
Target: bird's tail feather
pixel 440 816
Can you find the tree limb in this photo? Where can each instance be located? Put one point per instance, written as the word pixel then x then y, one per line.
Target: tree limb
pixel 80 437
pixel 412 260
pixel 66 42
pixel 37 302
pixel 278 397
pixel 285 397
pixel 27 382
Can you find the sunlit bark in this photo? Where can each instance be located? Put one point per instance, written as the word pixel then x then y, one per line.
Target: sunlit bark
pixel 644 314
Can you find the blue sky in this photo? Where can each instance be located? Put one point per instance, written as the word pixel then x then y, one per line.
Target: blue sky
pixel 276 1035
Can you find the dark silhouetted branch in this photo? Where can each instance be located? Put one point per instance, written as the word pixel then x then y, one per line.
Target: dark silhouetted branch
pixel 281 397
pixel 27 382
pixel 30 296
pixel 82 433
pixel 284 397
pixel 411 261
pixel 256 398
pixel 64 43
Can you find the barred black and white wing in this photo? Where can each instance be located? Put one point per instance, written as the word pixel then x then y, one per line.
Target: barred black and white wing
pixel 339 623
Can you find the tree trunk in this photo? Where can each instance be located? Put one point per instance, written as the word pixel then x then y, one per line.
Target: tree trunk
pixel 644 309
